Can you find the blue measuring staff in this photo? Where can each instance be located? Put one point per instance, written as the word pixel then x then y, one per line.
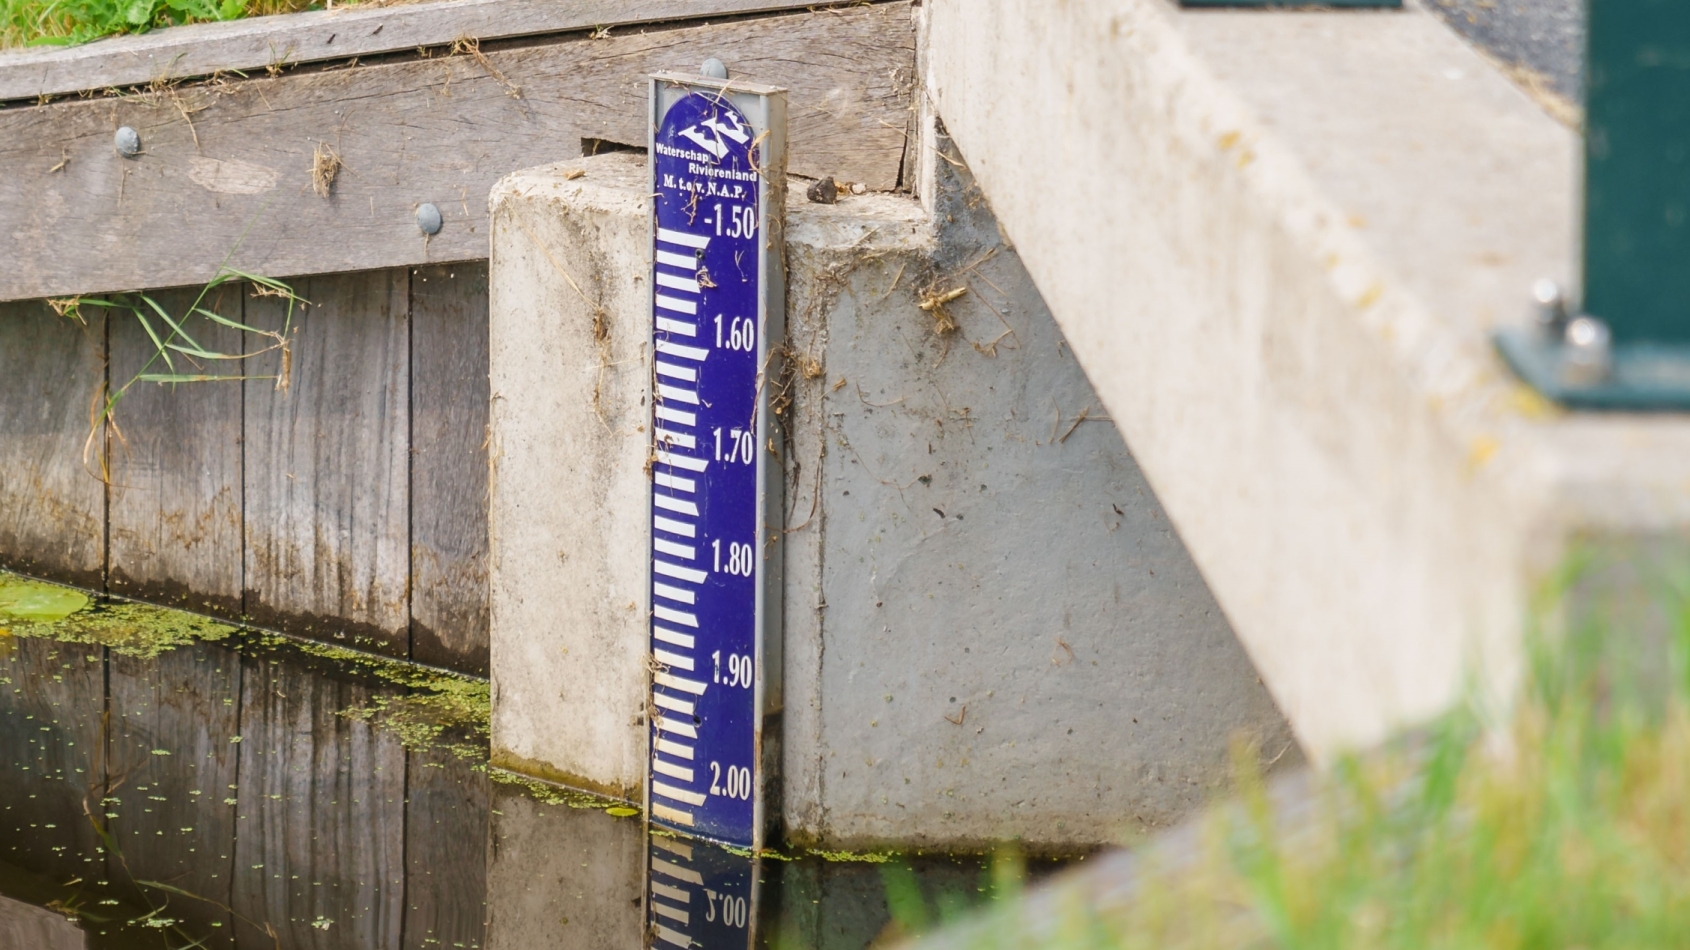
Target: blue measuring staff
pixel 718 173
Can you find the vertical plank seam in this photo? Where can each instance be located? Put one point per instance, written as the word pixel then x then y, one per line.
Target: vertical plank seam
pixel 105 447
pixel 410 465
pixel 405 844
pixel 240 730
pixel 240 594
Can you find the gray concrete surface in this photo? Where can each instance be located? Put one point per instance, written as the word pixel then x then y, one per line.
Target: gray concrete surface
pixel 1279 245
pixel 992 628
pixel 567 520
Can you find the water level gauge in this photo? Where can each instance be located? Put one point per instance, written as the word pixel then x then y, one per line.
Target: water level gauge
pixel 718 316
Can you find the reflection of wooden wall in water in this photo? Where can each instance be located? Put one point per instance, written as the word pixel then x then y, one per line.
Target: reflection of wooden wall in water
pixel 309 817
pixel 351 506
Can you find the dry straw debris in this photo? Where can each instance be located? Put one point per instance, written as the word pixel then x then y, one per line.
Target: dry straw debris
pixel 325 167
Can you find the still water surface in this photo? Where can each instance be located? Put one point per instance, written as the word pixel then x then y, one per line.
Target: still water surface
pixel 248 793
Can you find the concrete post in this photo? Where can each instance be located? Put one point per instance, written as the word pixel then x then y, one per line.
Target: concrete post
pixel 567 498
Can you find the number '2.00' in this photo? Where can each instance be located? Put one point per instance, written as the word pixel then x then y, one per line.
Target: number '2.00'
pixel 738 784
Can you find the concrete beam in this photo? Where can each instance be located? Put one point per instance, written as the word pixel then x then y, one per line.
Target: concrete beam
pixel 991 628
pixel 1279 242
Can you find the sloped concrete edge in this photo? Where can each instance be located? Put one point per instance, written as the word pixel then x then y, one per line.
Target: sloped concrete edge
pixel 1279 242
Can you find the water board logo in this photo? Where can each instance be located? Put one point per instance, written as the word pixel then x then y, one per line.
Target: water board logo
pixel 710 137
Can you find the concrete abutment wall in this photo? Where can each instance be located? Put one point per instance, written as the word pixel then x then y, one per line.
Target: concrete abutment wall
pixel 991 628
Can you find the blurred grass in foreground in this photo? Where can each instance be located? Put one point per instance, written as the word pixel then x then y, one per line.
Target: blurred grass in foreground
pixel 1565 825
pixel 64 22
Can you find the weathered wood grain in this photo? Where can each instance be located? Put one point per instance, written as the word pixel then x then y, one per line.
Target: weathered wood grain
pixel 52 508
pixel 172 722
pixel 446 840
pixel 175 507
pixel 254 44
pixel 220 159
pixel 52 700
pixel 449 393
pixel 321 816
pixel 327 549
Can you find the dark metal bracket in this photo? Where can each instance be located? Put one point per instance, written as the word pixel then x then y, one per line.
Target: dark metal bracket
pixel 1573 360
pixel 1626 346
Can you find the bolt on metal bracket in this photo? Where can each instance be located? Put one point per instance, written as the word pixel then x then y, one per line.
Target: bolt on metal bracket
pixel 1572 359
pixel 1626 346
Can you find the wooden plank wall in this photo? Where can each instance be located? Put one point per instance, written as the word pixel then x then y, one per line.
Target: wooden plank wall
pixel 226 167
pixel 52 506
pixel 176 469
pixel 256 43
pixel 449 394
pixel 348 507
pixel 326 508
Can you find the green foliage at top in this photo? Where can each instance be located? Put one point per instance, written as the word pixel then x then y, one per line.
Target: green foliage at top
pixel 63 22
pixel 1563 824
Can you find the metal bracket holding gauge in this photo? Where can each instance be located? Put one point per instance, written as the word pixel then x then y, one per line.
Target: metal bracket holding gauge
pixel 718 174
pixel 1622 341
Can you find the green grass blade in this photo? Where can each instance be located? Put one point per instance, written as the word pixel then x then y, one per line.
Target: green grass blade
pixel 181 378
pixel 203 354
pixel 173 324
pixel 225 321
pixel 159 344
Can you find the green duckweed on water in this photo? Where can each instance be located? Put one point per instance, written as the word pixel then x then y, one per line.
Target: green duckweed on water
pixel 26 601
pixel 441 710
pixel 31 608
pixel 558 795
pixel 438 710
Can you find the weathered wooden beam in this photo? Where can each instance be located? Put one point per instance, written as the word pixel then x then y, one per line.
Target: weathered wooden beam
pixel 52 503
pixel 449 394
pixel 326 468
pixel 259 43
pixel 226 170
pixel 174 502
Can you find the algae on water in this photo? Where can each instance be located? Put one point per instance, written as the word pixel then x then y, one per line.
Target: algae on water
pixel 31 608
pixel 26 601
pixel 443 710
